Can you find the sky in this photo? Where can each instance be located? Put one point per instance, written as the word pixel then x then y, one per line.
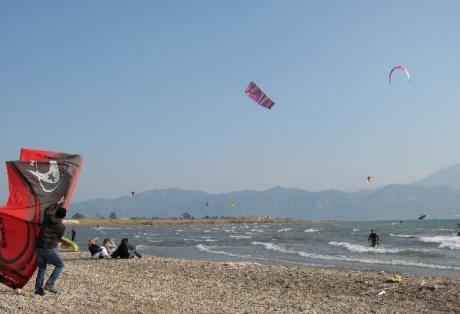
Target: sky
pixel 151 93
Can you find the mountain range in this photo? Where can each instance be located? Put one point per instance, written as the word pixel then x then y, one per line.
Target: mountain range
pixel 437 196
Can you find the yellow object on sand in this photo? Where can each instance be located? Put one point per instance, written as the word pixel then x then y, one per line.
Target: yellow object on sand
pixel 70 244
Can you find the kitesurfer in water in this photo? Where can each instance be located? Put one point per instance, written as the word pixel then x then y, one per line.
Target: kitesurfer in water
pixel 51 233
pixel 373 238
pixel 125 250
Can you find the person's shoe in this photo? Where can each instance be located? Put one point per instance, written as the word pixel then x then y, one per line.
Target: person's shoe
pixel 40 292
pixel 51 289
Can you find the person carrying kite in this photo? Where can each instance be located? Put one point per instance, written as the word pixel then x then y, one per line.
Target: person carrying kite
pixel 47 252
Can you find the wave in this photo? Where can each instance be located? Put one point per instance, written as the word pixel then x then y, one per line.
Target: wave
pixel 363 249
pixel 143 247
pixel 367 249
pixel 450 242
pixel 240 237
pixel 210 249
pixel 356 229
pixel 285 229
pixel 201 240
pixel 278 248
pixel 213 250
pixel 403 235
pixel 311 230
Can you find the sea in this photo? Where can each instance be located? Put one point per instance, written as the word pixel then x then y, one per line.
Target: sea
pixel 423 247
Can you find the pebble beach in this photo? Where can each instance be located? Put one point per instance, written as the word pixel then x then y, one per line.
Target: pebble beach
pixel 166 285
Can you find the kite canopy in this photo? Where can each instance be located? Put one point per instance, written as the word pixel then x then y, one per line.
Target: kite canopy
pixel 255 93
pixel 369 179
pixel 37 181
pixel 399 67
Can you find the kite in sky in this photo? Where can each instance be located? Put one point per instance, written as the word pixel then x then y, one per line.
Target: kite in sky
pixel 36 183
pixel 369 179
pixel 399 67
pixel 255 93
pixel 132 194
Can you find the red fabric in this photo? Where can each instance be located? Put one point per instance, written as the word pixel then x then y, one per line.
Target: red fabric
pixel 28 196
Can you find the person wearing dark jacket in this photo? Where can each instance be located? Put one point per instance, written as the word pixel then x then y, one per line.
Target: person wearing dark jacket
pixel 97 251
pixel 51 232
pixel 373 238
pixel 125 250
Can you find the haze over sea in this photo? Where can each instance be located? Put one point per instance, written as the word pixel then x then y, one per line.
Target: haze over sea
pixel 417 247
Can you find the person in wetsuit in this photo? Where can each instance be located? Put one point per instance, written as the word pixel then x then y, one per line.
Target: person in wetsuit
pixel 373 238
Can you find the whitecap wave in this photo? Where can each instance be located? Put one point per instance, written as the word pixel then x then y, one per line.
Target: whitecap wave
pixel 363 249
pixel 284 230
pixel 403 235
pixel 450 242
pixel 356 229
pixel 240 237
pixel 278 248
pixel 311 230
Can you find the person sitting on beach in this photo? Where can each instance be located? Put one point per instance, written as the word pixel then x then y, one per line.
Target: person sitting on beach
pixel 125 250
pixel 374 238
pixel 109 245
pixel 96 250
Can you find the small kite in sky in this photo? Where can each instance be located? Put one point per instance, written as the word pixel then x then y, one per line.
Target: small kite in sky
pixel 255 93
pixel 369 179
pixel 133 194
pixel 402 68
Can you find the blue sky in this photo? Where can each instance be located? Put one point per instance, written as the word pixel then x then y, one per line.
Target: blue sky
pixel 151 92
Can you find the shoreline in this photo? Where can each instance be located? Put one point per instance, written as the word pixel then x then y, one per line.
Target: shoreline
pixel 170 285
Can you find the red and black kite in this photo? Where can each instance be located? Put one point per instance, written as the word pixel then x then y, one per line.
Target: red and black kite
pixel 37 181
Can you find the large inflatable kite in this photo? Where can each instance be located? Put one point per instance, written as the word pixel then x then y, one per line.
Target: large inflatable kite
pixel 36 182
pixel 255 93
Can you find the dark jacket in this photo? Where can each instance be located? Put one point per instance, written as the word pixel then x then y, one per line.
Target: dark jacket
pixel 373 237
pixel 94 248
pixel 52 229
pixel 123 250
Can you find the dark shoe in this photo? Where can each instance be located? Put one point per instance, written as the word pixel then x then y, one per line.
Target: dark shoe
pixel 40 292
pixel 51 289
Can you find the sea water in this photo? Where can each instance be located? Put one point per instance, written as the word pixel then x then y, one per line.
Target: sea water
pixel 426 247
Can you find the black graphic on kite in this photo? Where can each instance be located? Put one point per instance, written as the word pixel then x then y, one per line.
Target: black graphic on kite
pixel 36 183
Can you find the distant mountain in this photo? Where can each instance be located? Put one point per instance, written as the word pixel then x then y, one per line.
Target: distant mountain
pixel 449 177
pixel 390 202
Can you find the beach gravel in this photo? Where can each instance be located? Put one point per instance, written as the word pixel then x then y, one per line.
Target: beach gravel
pixel 167 285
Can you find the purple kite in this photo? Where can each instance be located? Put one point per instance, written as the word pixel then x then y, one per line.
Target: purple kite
pixel 255 93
